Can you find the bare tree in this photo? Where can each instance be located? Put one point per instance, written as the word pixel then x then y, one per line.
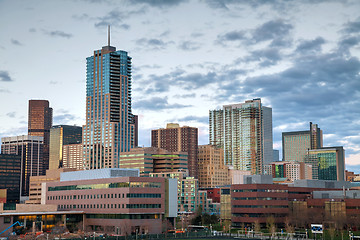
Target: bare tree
pixel 270 225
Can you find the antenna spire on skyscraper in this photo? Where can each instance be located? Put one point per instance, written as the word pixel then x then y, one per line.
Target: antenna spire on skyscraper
pixel 108 35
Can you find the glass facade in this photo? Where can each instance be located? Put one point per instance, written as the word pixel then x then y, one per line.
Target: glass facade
pixel 10 176
pixel 59 136
pixel 110 125
pixel 30 150
pixel 39 124
pixel 330 163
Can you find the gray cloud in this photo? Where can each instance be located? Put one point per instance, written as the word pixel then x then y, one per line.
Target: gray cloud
pixel 310 45
pixel 57 34
pixel 5 77
pixel 231 36
pixel 275 30
pixel 189 45
pixel 65 118
pixel 191 118
pixel 32 30
pixel 266 57
pixel 158 3
pixel 352 27
pixel 11 114
pixel 153 43
pixel 190 95
pixel 16 42
pixel 156 103
pixel 115 18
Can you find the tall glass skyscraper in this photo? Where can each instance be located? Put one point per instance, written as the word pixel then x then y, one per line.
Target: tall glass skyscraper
pixel 110 124
pixel 244 131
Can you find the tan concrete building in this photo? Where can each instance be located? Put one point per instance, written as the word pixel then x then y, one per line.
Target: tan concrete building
pixel 73 156
pixel 35 190
pixel 212 171
pixel 154 160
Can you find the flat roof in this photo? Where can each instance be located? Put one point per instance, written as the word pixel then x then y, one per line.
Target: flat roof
pixel 40 213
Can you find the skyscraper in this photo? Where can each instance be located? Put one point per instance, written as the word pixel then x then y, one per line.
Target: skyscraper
pixel 10 176
pixel 330 163
pixel 296 144
pixel 110 125
pixel 30 150
pixel 39 124
pixel 244 131
pixel 175 138
pixel 60 136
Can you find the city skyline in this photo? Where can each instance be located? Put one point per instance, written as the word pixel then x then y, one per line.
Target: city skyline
pixel 301 59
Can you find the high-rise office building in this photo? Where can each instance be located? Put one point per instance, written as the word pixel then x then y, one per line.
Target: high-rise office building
pixel 39 124
pixel 212 171
pixel 296 144
pixel 10 176
pixel 330 162
pixel 110 125
pixel 61 135
pixel 276 155
pixel 244 131
pixel 175 138
pixel 30 150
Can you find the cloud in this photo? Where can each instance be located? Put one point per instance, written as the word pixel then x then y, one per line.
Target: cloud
pixel 189 45
pixel 153 43
pixel 115 18
pixel 232 36
pixel 353 159
pixel 191 118
pixel 11 114
pixel 16 42
pixel 32 30
pixel 58 34
pixel 274 30
pixel 313 46
pixel 158 3
pixel 190 95
pixel 5 77
pixel 266 57
pixel 65 118
pixel 156 103
pixel 352 27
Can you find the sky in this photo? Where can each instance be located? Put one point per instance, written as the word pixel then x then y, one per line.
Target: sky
pixel 188 57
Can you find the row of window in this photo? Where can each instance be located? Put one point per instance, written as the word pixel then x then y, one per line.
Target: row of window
pixel 123 216
pixel 106 186
pixel 101 196
pixel 260 206
pixel 107 206
pixel 260 190
pixel 259 198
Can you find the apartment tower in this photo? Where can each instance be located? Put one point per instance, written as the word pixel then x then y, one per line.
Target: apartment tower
pixel 39 124
pixel 244 131
pixel 110 125
pixel 178 139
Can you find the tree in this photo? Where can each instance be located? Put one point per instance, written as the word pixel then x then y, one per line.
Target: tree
pixel 257 227
pixel 270 225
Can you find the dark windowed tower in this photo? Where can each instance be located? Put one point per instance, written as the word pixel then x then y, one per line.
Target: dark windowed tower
pixel 110 126
pixel 39 124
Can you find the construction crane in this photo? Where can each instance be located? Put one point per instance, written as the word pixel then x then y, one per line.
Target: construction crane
pixel 11 227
